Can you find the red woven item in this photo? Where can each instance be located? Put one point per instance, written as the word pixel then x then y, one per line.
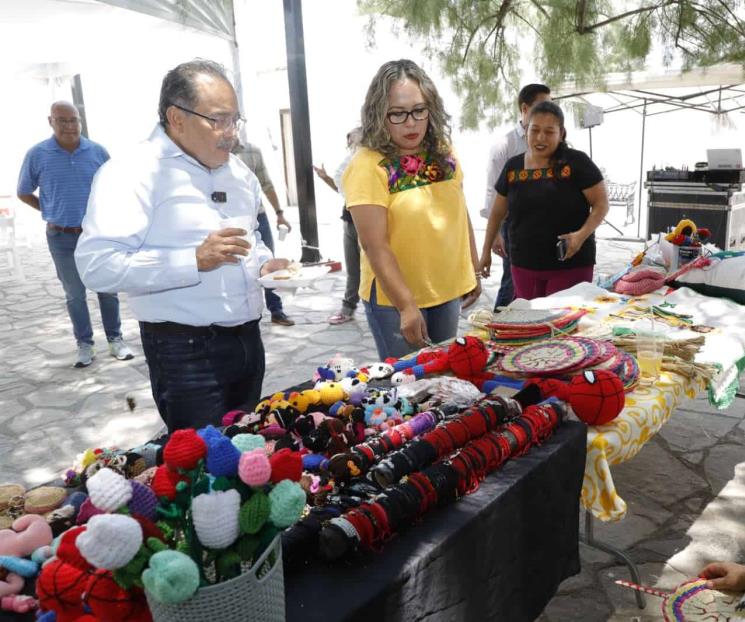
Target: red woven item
pixel 184 449
pixel 286 464
pixel 59 588
pixel 164 482
pixel 112 603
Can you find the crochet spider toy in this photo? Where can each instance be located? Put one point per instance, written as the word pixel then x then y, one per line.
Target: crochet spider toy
pixel 596 396
pixel 465 357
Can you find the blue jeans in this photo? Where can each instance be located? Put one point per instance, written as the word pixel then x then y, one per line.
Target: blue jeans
pixel 273 302
pixel 196 379
pixel 62 248
pixel 385 325
pixel 506 293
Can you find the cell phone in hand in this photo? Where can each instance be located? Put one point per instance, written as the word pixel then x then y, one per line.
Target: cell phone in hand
pixel 561 250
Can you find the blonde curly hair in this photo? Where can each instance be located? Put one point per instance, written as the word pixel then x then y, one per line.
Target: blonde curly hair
pixel 375 134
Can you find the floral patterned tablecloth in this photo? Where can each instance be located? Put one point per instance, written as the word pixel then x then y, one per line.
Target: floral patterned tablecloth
pixel 648 407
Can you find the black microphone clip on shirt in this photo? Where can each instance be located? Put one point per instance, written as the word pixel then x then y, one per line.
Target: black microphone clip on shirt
pixel 220 197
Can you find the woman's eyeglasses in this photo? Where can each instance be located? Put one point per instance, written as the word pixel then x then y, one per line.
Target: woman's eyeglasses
pixel 397 117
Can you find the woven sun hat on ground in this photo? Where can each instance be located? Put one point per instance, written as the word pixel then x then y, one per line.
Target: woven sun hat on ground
pixel 7 492
pixel 44 499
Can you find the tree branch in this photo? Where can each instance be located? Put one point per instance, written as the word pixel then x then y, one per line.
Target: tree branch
pixel 645 9
pixel 499 17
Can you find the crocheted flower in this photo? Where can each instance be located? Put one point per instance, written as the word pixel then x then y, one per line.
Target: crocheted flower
pixel 287 502
pixel 254 468
pixel 109 490
pixel 171 577
pixel 286 464
pixel 184 449
pixel 110 541
pixel 143 501
pixel 248 442
pixel 164 482
pixel 215 518
pixel 222 457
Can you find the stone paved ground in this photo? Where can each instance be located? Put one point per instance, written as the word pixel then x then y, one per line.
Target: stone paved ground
pixel 686 506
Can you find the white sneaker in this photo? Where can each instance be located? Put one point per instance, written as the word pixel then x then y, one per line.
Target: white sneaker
pixel 120 350
pixel 86 354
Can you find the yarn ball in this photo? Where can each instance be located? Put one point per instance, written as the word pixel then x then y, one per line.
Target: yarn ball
pixel 254 468
pixel 171 577
pixel 164 482
pixel 111 540
pixel 184 449
pixel 596 396
pixel 254 513
pixel 467 356
pixel 60 588
pixel 287 502
pixel 111 602
pixel 108 490
pixel 286 464
pixel 248 442
pixel 67 548
pixel 87 510
pixel 215 518
pixel 222 457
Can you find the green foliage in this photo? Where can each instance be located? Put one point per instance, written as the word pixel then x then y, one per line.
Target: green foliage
pixel 483 45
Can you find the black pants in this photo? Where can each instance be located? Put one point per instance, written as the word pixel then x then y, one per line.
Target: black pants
pixel 198 374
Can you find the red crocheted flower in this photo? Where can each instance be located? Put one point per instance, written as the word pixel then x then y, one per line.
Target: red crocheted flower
pixel 184 449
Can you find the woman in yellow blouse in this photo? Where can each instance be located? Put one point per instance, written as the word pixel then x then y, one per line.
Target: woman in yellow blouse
pixel 404 189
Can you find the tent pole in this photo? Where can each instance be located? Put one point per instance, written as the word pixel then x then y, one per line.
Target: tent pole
pixel 641 177
pixel 589 129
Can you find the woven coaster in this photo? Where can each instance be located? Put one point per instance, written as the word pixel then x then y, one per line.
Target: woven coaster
pixel 694 602
pixel 44 499
pixel 545 357
pixel 7 492
pixel 527 316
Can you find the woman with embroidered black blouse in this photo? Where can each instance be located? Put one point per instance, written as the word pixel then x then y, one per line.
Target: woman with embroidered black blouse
pixel 556 198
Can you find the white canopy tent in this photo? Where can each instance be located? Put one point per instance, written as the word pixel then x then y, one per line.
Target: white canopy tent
pixel 718 90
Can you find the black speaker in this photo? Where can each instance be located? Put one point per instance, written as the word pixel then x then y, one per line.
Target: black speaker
pixel 727 225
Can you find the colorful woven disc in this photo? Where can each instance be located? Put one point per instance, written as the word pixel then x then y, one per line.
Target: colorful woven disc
pixel 546 357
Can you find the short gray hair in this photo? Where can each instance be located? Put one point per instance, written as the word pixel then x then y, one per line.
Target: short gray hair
pixel 179 84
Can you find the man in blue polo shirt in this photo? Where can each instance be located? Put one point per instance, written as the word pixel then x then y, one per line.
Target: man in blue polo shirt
pixel 62 168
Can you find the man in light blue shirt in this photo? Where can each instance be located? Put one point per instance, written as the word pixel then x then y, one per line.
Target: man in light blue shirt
pixel 62 168
pixel 155 229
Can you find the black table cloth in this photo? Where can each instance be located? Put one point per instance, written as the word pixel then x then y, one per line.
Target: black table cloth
pixel 497 554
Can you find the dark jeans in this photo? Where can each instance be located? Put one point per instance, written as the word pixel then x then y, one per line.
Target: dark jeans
pixel 273 302
pixel 196 379
pixel 352 263
pixel 506 293
pixel 62 248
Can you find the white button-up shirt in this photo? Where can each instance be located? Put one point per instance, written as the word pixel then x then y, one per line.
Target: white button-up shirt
pixel 148 212
pixel 511 144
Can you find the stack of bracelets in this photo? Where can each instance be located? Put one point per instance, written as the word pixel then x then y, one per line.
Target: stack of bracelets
pixel 368 525
pixel 484 415
pixel 358 460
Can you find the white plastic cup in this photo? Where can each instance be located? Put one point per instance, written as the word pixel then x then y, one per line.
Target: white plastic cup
pixel 650 348
pixel 239 222
pixel 282 231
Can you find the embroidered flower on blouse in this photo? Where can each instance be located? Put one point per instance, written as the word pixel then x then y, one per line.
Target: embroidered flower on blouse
pixel 537 173
pixel 566 171
pixel 510 176
pixel 410 171
pixel 523 175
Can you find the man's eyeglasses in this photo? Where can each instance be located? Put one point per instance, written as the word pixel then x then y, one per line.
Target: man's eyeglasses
pixel 397 117
pixel 220 124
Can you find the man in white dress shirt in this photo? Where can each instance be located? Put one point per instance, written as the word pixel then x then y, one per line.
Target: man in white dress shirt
pixel 507 146
pixel 153 229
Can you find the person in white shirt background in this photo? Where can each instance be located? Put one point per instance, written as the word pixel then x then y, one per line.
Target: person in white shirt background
pixel 155 230
pixel 507 146
pixel 351 242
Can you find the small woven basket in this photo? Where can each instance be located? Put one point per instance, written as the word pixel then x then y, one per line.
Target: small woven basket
pixel 257 595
